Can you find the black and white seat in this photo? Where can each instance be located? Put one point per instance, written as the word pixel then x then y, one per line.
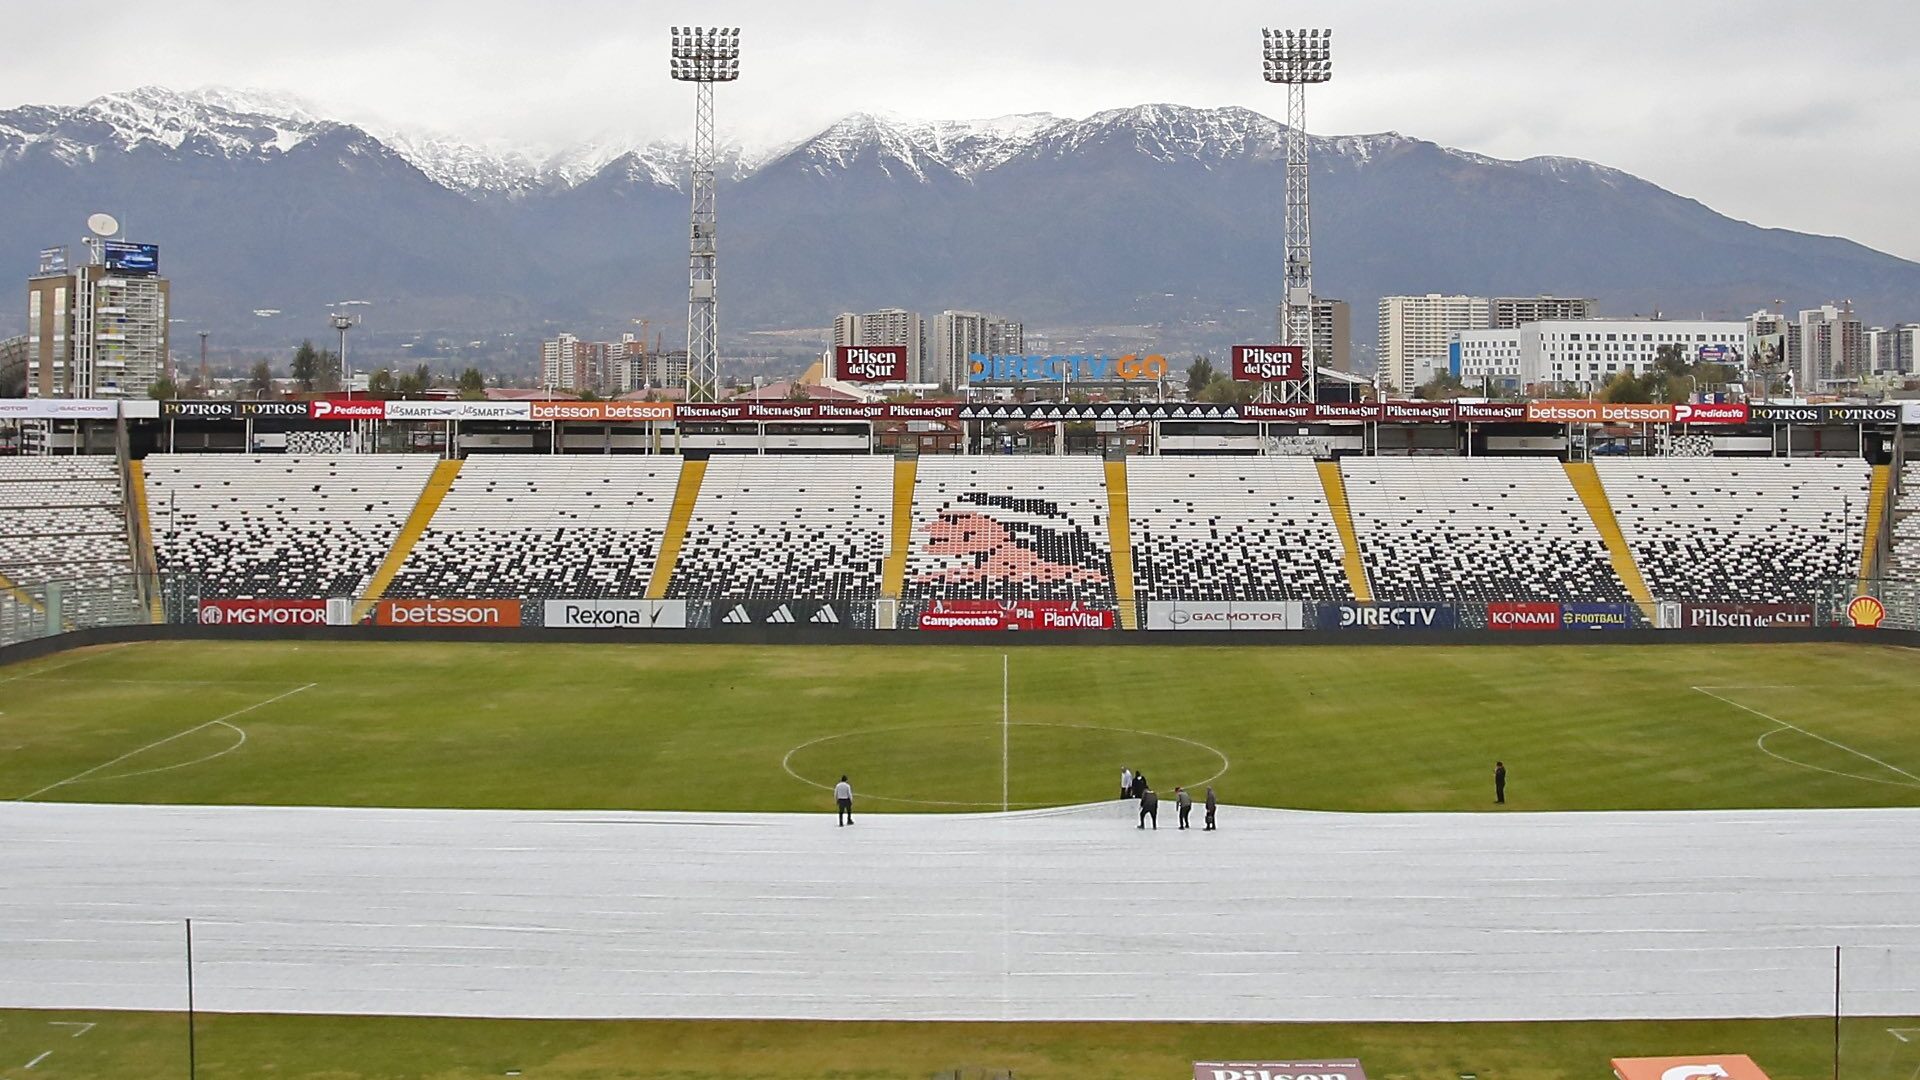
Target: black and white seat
pixel 1240 528
pixel 63 520
pixel 1456 530
pixel 1767 530
pixel 1030 528
pixel 1903 561
pixel 788 528
pixel 281 526
pixel 544 528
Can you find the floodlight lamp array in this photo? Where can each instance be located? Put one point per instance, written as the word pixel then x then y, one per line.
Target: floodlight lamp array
pixel 1297 56
pixel 705 53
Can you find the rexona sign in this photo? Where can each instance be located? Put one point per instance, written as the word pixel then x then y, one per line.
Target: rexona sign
pixel 1269 363
pixel 982 368
pixel 1385 617
pixel 615 614
pixel 871 363
pixel 463 614
pixel 263 613
pixel 1337 1069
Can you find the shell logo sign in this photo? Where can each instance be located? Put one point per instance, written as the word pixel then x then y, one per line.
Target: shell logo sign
pixel 1866 613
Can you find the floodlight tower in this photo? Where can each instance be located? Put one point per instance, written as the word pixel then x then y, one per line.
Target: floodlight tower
pixel 704 56
pixel 1298 59
pixel 344 322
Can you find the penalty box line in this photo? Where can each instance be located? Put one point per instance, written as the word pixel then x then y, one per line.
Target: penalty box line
pixel 79 776
pixel 1863 755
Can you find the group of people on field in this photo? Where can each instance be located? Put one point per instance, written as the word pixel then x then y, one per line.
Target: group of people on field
pixel 1133 785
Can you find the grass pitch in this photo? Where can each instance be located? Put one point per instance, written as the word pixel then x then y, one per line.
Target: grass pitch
pixel 921 727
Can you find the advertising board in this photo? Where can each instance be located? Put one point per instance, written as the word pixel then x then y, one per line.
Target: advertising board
pixel 174 409
pixel 1016 615
pixel 459 410
pixel 1269 363
pixel 1333 1069
pixel 1385 616
pixel 870 363
pixel 1523 616
pixel 1490 412
pixel 263 613
pixel 983 369
pixel 1597 412
pixel 1824 414
pixel 345 409
pixel 1866 613
pixel 1598 616
pixel 1745 616
pixel 615 614
pixel 1226 615
pixel 602 411
pixel 1417 412
pixel 794 613
pixel 130 257
pixel 447 613
pixel 58 409
pixel 1727 413
pixel 1701 1067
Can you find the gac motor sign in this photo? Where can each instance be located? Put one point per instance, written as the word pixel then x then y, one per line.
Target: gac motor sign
pixel 263 613
pixel 1269 363
pixel 871 363
pixel 463 614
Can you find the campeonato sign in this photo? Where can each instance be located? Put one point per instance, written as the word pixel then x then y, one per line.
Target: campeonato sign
pixel 447 613
pixel 871 363
pixel 1021 615
pixel 615 614
pixel 1336 1069
pixel 263 613
pixel 1269 363
pixel 1226 615
pixel 1704 1067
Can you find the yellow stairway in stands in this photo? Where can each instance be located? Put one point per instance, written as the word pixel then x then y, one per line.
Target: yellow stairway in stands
pixel 684 495
pixel 19 595
pixel 1120 530
pixel 1876 513
pixel 417 522
pixel 1336 489
pixel 1593 495
pixel 893 573
pixel 143 537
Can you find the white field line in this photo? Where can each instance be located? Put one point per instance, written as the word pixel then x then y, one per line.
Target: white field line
pixel 1902 1033
pixel 61 667
pixel 1005 726
pixel 84 1027
pixel 1821 738
pixel 44 1055
pixel 77 777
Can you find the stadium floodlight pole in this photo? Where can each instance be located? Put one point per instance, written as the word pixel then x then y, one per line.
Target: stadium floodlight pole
pixel 344 322
pixel 704 55
pixel 1297 59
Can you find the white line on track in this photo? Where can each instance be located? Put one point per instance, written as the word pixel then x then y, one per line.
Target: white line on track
pixel 83 1026
pixel 61 667
pixel 44 1055
pixel 1821 738
pixel 77 777
pixel 1006 724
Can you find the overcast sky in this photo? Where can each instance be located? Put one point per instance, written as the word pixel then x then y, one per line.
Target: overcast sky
pixel 1768 110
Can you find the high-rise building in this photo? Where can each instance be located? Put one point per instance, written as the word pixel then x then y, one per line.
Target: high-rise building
pixel 1510 311
pixel 889 326
pixel 1332 332
pixel 1587 352
pixel 563 363
pixel 957 335
pixel 1416 332
pixel 98 329
pixel 1826 347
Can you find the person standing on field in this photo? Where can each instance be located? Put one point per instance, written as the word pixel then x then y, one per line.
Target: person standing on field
pixel 1499 782
pixel 1139 785
pixel 843 800
pixel 1126 782
pixel 1183 801
pixel 1211 804
pixel 1150 808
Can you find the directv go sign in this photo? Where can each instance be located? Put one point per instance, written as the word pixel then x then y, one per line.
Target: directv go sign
pixel 1006 370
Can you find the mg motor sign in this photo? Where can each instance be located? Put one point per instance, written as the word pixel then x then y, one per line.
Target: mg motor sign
pixel 1385 616
pixel 263 613
pixel 347 410
pixel 615 614
pixel 1523 616
pixel 1018 615
pixel 1269 363
pixel 871 363
pixel 1226 615
pixel 1745 616
pixel 447 613
pixel 1336 1069
pixel 1701 1067
pixel 1735 413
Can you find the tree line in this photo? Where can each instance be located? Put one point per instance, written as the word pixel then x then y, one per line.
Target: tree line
pixel 317 371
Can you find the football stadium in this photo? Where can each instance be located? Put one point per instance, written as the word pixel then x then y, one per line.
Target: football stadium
pixel 396 764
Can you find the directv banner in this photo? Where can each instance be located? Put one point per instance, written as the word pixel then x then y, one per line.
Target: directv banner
pixel 1598 616
pixel 615 614
pixel 1385 616
pixel 1226 615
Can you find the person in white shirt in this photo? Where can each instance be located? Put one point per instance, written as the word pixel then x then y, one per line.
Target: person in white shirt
pixel 843 799
pixel 1126 782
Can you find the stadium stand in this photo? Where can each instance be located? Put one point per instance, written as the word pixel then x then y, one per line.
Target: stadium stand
pixel 1903 560
pixel 282 526
pixel 544 528
pixel 1730 530
pixel 1242 528
pixel 1486 530
pixel 784 528
pixel 63 519
pixel 1029 528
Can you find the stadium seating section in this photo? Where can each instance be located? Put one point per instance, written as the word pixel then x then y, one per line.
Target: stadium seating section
pixel 1904 560
pixel 1242 528
pixel 1722 529
pixel 281 526
pixel 1005 528
pixel 63 519
pixel 1452 530
pixel 779 528
pixel 542 528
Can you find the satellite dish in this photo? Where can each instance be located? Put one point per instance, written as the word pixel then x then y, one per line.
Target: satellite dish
pixel 103 225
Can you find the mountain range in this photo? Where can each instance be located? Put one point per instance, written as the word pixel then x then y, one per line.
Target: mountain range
pixel 1158 221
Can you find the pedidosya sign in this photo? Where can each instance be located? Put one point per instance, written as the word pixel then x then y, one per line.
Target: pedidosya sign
pixel 982 368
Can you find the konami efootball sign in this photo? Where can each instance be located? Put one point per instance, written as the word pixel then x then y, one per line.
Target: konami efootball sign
pixel 870 363
pixel 1269 363
pixel 1335 1069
